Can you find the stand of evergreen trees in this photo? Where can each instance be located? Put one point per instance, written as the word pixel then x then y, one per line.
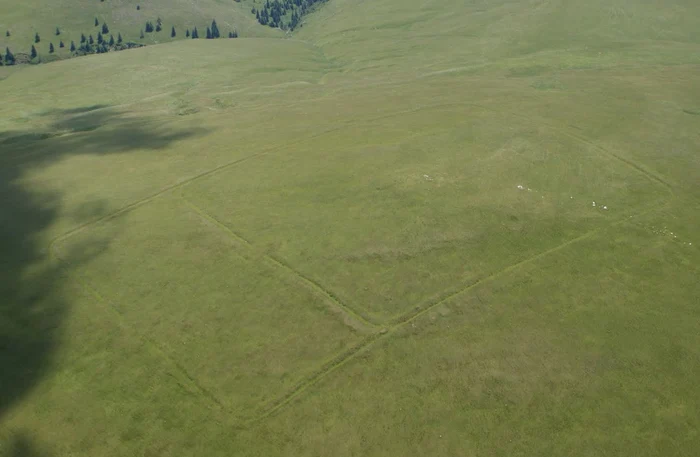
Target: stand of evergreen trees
pixel 9 57
pixel 101 48
pixel 88 45
pixel 213 32
pixel 285 14
pixel 106 42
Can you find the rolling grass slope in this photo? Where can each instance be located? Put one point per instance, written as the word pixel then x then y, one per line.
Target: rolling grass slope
pixel 24 19
pixel 377 237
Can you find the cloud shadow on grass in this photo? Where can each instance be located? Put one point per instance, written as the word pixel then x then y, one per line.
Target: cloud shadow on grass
pixel 32 306
pixel 94 130
pixel 23 446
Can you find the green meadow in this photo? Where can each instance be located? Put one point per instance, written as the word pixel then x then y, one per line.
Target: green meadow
pixel 405 229
pixel 75 17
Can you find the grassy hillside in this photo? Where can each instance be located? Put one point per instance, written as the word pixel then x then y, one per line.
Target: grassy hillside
pixel 414 228
pixel 73 18
pixel 443 35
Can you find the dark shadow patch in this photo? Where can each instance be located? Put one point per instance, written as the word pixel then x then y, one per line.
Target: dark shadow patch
pixel 8 139
pixel 22 446
pixel 95 131
pixel 31 312
pixel 33 304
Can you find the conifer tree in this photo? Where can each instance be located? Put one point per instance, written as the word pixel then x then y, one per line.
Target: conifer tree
pixel 105 29
pixel 100 38
pixel 9 57
pixel 172 32
pixel 142 34
pixel 72 46
pixel 208 33
pixel 51 48
pixel 138 7
pixel 111 40
pixel 82 38
pixel 215 30
pixel 187 33
pixel 58 31
pixel 33 52
pixel 158 27
pixel 61 45
pixel 7 33
pixel 37 38
pixel 119 38
pixel 195 33
pixel 97 22
pixel 91 40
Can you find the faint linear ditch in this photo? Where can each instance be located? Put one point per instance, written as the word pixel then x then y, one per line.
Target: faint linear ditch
pixel 416 313
pixel 343 358
pixel 91 291
pixel 306 282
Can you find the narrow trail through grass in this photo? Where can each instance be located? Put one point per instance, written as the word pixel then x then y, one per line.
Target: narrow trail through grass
pixel 391 328
pixel 379 330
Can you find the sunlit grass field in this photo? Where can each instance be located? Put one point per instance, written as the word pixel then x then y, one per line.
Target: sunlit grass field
pixel 75 17
pixel 411 228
